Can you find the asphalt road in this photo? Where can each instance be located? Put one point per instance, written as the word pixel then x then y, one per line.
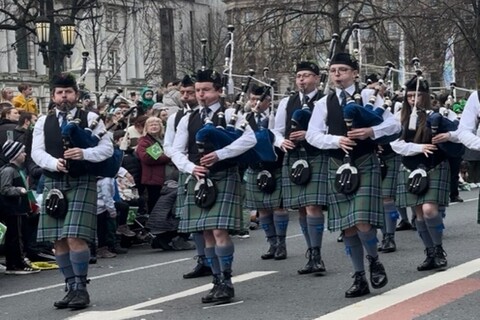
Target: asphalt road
pixel 148 284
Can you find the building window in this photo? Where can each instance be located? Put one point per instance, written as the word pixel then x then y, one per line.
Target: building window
pixel 370 55
pixel 249 16
pixel 111 16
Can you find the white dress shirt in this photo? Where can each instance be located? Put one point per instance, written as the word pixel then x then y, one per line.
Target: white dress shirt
pixel 236 148
pixel 467 128
pixel 280 118
pixel 101 152
pixel 317 134
pixel 170 133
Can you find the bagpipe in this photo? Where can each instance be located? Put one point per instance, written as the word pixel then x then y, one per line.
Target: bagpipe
pixel 74 136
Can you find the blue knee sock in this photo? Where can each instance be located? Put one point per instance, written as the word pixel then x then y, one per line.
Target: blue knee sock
pixel 212 261
pixel 281 225
pixel 65 266
pixel 391 216
pixel 435 229
pixel 354 249
pixel 315 230
pixel 79 260
pixel 225 257
pixel 424 234
pixel 303 224
pixel 199 243
pixel 369 241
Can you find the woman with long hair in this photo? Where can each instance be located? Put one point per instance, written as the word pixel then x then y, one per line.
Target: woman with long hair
pixel 418 152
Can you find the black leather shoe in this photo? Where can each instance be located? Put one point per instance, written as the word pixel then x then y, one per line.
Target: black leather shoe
pixel 270 254
pixel 225 293
pixel 81 300
pixel 281 252
pixel 378 276
pixel 211 294
pixel 309 266
pixel 200 270
pixel 359 287
pixel 429 263
pixel 456 199
pixel 340 237
pixel 62 304
pixel 440 258
pixel 403 225
pixel 388 244
pixel 317 265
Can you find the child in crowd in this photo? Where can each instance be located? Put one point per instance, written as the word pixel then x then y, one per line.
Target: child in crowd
pixel 14 205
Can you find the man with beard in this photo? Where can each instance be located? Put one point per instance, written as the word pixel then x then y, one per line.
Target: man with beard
pixel 72 232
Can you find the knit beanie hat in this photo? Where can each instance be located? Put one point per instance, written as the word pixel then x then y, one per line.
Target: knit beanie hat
pixel 12 149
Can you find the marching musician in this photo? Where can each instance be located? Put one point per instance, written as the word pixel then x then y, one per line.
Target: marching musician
pixel 187 97
pixel 212 166
pixel 273 219
pixel 73 232
pixel 308 198
pixel 421 150
pixel 391 162
pixel 361 213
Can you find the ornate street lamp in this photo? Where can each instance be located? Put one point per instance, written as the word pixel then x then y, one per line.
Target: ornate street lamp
pixel 56 42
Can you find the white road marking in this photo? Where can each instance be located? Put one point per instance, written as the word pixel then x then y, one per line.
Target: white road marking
pixel 223 305
pixel 132 311
pixel 9 295
pixel 385 300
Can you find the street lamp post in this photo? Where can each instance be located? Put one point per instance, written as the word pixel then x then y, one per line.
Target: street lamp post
pixel 56 42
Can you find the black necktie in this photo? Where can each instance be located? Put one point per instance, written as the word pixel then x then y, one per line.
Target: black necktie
pixel 204 113
pixel 62 116
pixel 259 119
pixel 343 97
pixel 307 98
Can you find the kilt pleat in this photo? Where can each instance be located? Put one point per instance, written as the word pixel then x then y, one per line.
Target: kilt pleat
pixel 81 219
pixel 389 184
pixel 438 191
pixel 256 199
pixel 180 201
pixel 365 205
pixel 225 214
pixel 315 191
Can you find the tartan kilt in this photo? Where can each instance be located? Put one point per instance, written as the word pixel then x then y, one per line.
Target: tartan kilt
pixel 389 184
pixel 81 219
pixel 256 199
pixel 179 202
pixel 315 191
pixel 365 205
pixel 225 214
pixel 438 191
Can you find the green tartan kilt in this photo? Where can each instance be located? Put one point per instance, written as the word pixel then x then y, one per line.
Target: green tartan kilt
pixel 365 205
pixel 225 214
pixel 81 219
pixel 256 199
pixel 389 184
pixel 180 200
pixel 315 191
pixel 438 191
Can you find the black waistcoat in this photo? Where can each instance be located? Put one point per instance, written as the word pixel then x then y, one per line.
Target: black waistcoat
pixel 294 104
pixel 54 143
pixel 195 123
pixel 336 126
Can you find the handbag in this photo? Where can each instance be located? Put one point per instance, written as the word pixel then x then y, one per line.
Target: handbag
pixel 301 172
pixel 347 178
pixel 56 205
pixel 418 182
pixel 205 193
pixel 266 181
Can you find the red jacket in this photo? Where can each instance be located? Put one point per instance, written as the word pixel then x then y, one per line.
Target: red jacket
pixel 153 171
